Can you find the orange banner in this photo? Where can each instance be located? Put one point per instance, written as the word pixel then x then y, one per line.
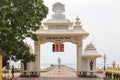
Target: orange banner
pixel 58 47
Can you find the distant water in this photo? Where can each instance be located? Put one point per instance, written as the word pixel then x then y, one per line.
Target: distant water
pixel 72 65
pixel 45 65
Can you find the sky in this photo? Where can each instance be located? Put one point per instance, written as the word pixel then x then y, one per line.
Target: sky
pixel 100 18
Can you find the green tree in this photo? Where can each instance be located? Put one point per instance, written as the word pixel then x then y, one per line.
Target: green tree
pixel 18 18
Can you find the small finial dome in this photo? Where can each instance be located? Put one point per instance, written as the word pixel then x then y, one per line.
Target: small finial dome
pixel 77 19
pixel 77 23
pixel 58 7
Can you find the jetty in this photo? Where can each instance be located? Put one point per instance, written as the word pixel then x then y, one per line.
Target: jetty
pixel 56 73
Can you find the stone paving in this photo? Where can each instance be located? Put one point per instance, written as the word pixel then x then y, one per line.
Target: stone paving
pixel 59 74
pixel 46 78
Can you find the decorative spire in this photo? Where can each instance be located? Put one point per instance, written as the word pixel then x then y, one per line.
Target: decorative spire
pixel 77 23
pixel 90 47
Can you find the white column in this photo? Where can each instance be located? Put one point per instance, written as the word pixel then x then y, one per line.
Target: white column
pixel 94 63
pixel 28 66
pixel 88 65
pixel 37 61
pixel 31 66
pixel 79 57
pixel 84 64
pixel 21 68
pixel 94 66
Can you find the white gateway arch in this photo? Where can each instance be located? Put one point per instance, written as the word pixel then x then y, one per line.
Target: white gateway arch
pixel 58 29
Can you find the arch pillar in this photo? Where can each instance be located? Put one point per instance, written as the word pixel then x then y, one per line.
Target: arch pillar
pixel 79 57
pixel 37 61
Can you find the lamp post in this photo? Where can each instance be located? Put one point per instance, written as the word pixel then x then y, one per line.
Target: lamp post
pixel 1 54
pixel 104 57
pixel 59 61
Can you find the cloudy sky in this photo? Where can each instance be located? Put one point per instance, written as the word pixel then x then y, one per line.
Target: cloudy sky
pixel 101 18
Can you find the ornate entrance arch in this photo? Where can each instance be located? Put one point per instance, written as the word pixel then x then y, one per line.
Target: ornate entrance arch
pixel 60 39
pixel 58 29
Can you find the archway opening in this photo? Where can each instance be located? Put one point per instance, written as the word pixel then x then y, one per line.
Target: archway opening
pixel 48 57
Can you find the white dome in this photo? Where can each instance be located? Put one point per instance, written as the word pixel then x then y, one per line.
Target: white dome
pixel 90 51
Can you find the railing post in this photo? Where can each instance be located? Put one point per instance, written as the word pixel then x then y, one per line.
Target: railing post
pixel 1 65
pixel 113 69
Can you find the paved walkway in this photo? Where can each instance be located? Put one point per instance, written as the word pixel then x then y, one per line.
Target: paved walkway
pixel 59 74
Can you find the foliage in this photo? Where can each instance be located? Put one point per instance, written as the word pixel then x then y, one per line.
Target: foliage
pixel 18 18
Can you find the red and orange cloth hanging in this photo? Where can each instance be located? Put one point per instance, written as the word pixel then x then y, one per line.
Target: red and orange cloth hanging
pixel 58 47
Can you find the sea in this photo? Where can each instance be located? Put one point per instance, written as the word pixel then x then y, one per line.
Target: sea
pixel 72 65
pixel 46 65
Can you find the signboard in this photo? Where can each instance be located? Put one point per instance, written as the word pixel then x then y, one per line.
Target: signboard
pixel 58 38
pixel 58 47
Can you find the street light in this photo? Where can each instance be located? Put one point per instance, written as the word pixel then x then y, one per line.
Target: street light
pixel 59 61
pixel 104 57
